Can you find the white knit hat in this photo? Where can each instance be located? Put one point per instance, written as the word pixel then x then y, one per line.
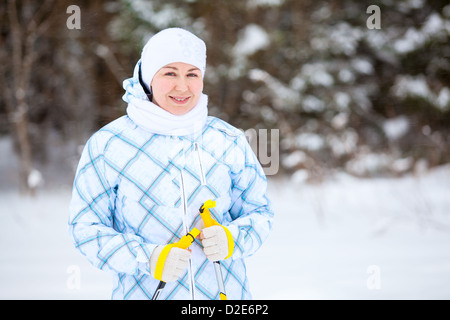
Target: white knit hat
pixel 169 46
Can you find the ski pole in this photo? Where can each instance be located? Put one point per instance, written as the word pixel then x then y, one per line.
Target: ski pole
pixel 183 243
pixel 209 221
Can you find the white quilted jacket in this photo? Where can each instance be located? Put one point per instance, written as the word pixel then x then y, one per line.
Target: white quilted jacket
pixel 134 190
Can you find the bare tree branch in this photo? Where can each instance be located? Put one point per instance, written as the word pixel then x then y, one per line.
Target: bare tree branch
pixel 16 41
pixel 104 52
pixel 37 20
pixel 25 30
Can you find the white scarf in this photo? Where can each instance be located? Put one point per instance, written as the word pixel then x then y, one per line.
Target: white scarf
pixel 153 118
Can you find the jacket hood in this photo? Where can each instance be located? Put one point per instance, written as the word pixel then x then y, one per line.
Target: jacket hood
pixel 133 87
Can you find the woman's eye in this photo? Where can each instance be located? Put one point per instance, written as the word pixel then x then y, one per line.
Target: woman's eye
pixel 170 74
pixel 192 75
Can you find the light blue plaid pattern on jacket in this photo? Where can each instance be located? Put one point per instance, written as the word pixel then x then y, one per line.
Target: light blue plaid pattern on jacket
pixel 134 190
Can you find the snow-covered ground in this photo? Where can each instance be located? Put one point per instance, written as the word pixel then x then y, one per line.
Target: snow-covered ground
pixel 344 239
pixel 358 239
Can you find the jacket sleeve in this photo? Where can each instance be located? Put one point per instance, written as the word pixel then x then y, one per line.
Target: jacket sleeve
pixel 91 217
pixel 251 211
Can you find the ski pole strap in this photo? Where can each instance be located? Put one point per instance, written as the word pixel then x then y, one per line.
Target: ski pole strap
pixel 183 243
pixel 209 222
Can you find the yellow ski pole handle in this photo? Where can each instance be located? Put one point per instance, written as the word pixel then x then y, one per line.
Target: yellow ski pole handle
pixel 206 215
pixel 208 221
pixel 183 243
pixel 186 241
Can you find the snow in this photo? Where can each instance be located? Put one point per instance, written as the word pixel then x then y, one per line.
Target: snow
pixel 340 120
pixel 316 73
pixel 283 96
pixel 346 76
pixel 295 158
pixel 396 128
pixel 362 66
pixel 412 39
pixel 369 163
pixel 410 4
pixel 310 141
pixel 258 3
pixel 37 258
pixel 434 28
pixel 409 86
pixel 443 99
pixel 34 178
pixel 335 240
pixel 347 238
pixel 343 38
pixel 161 17
pixel 345 143
pixel 251 39
pixel 311 103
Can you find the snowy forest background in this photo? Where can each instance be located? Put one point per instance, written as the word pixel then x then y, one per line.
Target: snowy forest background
pixel 367 110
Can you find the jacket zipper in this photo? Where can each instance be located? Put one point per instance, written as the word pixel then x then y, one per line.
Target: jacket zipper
pixel 202 175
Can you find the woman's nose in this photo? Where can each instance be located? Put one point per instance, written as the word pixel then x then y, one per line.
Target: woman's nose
pixel 181 84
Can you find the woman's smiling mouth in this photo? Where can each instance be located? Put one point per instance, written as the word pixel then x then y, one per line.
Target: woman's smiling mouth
pixel 180 100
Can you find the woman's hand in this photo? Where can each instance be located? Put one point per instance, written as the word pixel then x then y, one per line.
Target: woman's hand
pixel 174 265
pixel 217 243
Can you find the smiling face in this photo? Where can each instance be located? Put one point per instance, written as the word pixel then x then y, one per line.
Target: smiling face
pixel 177 87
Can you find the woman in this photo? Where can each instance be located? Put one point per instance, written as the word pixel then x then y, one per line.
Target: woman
pixel 143 177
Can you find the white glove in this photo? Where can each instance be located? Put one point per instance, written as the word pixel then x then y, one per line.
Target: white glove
pixel 174 265
pixel 215 243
